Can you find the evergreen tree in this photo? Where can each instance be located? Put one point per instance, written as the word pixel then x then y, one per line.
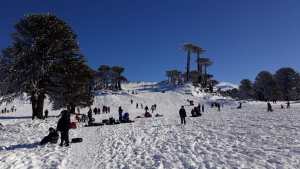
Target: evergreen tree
pixel 40 42
pixel 265 86
pixel 105 75
pixel 118 78
pixel 246 89
pixel 288 83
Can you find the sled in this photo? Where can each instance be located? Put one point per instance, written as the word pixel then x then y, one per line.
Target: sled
pixel 76 140
pixel 94 124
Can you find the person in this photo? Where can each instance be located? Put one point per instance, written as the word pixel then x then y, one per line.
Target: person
pixel 63 127
pixel 137 105
pixel 193 112
pixel 152 108
pixel 240 105
pixel 218 106
pixel 120 114
pixel 281 106
pixel 203 108
pixel 126 117
pixel 95 110
pixel 108 109
pixel 52 137
pixel 269 107
pixel 131 101
pixel 104 109
pixel 46 113
pixel 90 116
pixel 182 114
pixel 142 106
pixel 288 105
pixel 146 109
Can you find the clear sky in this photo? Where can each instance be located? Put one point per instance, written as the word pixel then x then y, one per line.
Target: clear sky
pixel 242 37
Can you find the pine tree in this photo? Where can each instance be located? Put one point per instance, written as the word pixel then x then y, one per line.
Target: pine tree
pixel 265 86
pixel 288 83
pixel 40 42
pixel 246 89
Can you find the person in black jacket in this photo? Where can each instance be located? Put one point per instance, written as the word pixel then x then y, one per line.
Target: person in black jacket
pixel 63 127
pixel 182 114
pixel 52 137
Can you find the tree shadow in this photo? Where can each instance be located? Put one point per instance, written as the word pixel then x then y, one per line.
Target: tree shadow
pixel 18 117
pixel 20 146
pixel 14 117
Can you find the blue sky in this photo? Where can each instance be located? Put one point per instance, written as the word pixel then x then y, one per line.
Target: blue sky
pixel 242 37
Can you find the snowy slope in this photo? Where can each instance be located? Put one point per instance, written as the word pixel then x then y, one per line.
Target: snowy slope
pixel 246 138
pixel 224 86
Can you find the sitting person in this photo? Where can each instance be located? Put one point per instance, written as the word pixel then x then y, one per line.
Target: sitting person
pixel 125 117
pixel 147 114
pixel 51 138
pixel 111 121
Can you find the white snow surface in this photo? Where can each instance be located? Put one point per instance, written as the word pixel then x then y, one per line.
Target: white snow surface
pixel 224 86
pixel 230 139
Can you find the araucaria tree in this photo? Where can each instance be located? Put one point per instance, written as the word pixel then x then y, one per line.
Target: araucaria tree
pixel 40 44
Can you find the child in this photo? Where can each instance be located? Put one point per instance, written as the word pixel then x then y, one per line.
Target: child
pixel 51 138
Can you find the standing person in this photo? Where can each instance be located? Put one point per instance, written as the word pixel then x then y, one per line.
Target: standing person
pixel 63 126
pixel 146 108
pixel 98 110
pixel 120 114
pixel 90 116
pixel 269 107
pixel 240 105
pixel 219 106
pixel 103 109
pixel 46 113
pixel 182 114
pixel 152 108
pixel 95 110
pixel 203 108
pixel 137 105
pixel 131 101
pixel 108 109
pixel 288 105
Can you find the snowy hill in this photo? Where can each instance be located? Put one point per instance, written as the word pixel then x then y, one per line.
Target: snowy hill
pixel 224 86
pixel 233 138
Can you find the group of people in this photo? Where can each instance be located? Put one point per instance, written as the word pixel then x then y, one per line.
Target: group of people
pixel 269 106
pixel 123 117
pixel 105 110
pixel 5 110
pixel 196 111
pixel 217 105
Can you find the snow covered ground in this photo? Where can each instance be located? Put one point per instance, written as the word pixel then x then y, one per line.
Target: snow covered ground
pixel 232 138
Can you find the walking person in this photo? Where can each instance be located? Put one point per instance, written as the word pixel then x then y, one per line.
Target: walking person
pixel 182 114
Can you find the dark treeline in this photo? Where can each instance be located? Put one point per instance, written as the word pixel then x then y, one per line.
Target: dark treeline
pixel 283 85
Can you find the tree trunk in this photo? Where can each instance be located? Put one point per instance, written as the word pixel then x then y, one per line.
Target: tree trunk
pixel 188 66
pixel 40 106
pixel 119 85
pixel 34 105
pixel 205 76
